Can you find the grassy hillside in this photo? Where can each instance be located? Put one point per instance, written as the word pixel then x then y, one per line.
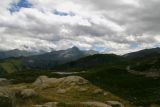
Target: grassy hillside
pixel 109 72
pixel 139 90
pixel 148 64
pixel 11 65
pixel 92 62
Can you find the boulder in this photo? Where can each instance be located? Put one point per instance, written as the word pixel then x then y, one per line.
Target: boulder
pixel 83 89
pixel 75 80
pixel 43 82
pixel 105 93
pixel 49 104
pixel 4 82
pixel 28 93
pixel 37 105
pixel 96 104
pixel 98 91
pixel 115 103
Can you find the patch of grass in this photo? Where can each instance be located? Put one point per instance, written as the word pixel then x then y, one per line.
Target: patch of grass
pixel 11 65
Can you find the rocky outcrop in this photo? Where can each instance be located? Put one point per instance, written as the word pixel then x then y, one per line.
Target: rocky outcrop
pixel 72 91
pixel 96 104
pixel 80 104
pixel 43 81
pixel 98 91
pixel 4 92
pixel 26 93
pixel 115 103
pixel 49 104
pixel 4 82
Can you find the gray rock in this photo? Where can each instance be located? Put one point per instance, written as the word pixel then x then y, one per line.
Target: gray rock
pixel 45 82
pixel 96 104
pixel 49 104
pixel 105 93
pixel 115 103
pixel 38 106
pixel 83 89
pixel 98 91
pixel 28 93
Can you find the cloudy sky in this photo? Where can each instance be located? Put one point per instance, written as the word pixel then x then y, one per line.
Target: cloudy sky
pixel 112 26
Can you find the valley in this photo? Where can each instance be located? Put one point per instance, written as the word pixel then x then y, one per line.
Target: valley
pixel 107 72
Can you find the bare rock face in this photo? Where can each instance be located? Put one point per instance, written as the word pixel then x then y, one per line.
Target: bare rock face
pixel 43 82
pixel 26 93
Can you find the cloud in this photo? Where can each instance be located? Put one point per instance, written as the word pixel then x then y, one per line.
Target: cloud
pixel 117 26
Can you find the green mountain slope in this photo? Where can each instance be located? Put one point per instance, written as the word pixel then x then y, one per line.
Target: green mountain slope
pixel 11 65
pixel 93 61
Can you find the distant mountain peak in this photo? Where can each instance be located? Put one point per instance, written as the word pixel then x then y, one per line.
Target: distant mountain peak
pixel 15 50
pixel 75 48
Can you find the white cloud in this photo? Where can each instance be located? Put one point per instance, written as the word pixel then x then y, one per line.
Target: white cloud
pixel 113 26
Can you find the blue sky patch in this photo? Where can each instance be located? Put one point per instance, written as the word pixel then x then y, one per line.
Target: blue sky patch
pixel 157 45
pixel 99 48
pixel 61 13
pixel 16 6
pixel 133 45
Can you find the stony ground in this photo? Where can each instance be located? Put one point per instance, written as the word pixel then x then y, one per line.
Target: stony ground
pixel 71 91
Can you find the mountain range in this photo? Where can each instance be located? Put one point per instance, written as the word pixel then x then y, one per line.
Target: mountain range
pixel 17 59
pixel 16 53
pixel 71 52
pixel 76 58
pixel 134 77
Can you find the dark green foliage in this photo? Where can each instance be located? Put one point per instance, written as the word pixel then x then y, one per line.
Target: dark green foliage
pixel 28 76
pixel 148 64
pixel 139 90
pixel 92 61
pixel 5 102
pixel 2 71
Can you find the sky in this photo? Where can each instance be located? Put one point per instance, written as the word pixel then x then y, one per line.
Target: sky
pixel 109 26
